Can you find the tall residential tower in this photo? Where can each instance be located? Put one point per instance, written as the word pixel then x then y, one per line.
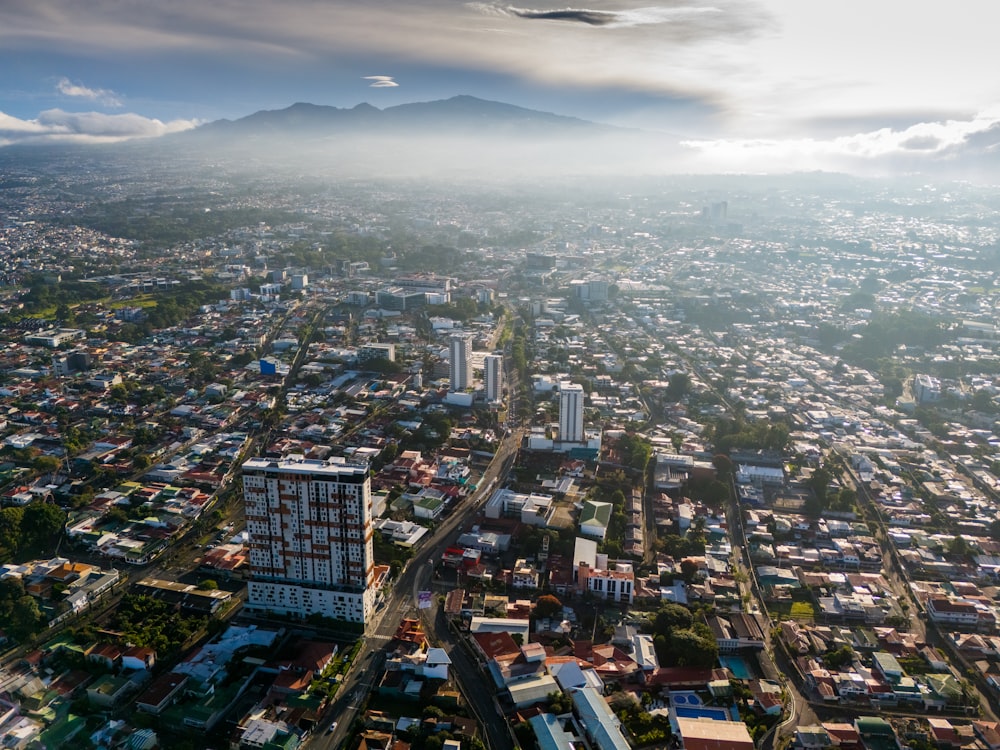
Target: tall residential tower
pixel 460 356
pixel 493 377
pixel 309 524
pixel 570 412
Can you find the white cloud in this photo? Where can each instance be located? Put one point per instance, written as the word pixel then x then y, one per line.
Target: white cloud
pixel 58 126
pixel 381 82
pixel 769 67
pixel 105 96
pixel 917 146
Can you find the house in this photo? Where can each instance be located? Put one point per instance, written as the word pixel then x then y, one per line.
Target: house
pixel 736 631
pixel 708 734
pixel 161 693
pixel 437 663
pixel 106 654
pixel 876 732
pixel 109 691
pixel 616 585
pixel 813 737
pixel 599 723
pixel 138 657
pixel 595 518
pixel 428 506
pixel 960 613
pixel 988 732
pixel 523 575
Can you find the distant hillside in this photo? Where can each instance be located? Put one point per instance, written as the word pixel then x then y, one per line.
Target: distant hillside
pixel 458 115
pixel 459 137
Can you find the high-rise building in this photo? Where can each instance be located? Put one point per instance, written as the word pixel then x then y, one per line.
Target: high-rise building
pixel 460 356
pixel 309 525
pixel 570 412
pixel 493 377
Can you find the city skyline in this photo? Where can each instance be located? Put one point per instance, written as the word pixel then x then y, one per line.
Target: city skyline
pixel 764 86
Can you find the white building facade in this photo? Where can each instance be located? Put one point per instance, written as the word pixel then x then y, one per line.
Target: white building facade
pixel 493 378
pixel 571 412
pixel 460 360
pixel 309 525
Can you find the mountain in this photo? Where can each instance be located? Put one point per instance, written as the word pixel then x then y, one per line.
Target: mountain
pixel 458 115
pixel 462 136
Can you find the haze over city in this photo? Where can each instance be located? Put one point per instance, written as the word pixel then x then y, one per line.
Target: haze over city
pixel 765 85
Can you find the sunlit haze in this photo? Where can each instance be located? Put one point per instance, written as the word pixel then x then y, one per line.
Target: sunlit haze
pixel 771 85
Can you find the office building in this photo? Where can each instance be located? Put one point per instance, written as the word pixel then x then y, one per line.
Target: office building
pixel 570 412
pixel 460 356
pixel 309 525
pixel 493 377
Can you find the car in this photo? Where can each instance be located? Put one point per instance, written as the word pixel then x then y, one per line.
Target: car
pixel 332 728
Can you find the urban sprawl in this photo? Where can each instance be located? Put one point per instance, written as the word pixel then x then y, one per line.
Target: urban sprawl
pixel 402 466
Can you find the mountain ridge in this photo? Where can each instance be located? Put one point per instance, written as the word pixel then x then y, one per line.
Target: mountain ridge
pixel 460 113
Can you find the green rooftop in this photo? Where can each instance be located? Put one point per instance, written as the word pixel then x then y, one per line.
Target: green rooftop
pixel 596 513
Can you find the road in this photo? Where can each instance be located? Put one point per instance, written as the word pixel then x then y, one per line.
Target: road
pixel 402 602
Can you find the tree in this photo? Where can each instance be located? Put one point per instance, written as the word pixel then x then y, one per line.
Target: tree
pixel 45 464
pixel 671 616
pixel 689 569
pixel 959 546
pixel 819 483
pixel 18 610
pixel 548 605
pixel 41 524
pixel 839 658
pixel 678 387
pixel 10 531
pixel 691 648
pixel 635 451
pixel 723 466
pixel 208 585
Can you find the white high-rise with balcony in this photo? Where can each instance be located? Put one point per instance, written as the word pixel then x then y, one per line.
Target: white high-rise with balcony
pixel 460 354
pixel 309 525
pixel 493 377
pixel 570 412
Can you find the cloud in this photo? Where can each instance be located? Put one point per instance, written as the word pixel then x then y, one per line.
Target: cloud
pixel 58 126
pixel 762 68
pixel 105 96
pixel 925 145
pixel 615 19
pixel 381 82
pixel 589 17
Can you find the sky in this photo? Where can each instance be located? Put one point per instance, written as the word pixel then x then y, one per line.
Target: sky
pixel 742 83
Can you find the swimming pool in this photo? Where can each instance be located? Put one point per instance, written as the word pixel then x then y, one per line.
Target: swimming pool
pixel 685 699
pixel 736 665
pixel 702 712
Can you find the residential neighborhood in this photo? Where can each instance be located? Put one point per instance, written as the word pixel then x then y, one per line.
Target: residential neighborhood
pixel 391 468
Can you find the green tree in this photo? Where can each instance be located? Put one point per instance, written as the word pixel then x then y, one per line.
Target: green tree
pixel 10 531
pixel 691 648
pixel 678 386
pixel 819 483
pixel 42 524
pixel 45 464
pixel 959 546
pixel 671 616
pixel 839 658
pixel 19 611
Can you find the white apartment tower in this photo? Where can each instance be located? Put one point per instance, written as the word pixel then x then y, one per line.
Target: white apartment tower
pixel 309 525
pixel 460 354
pixel 493 377
pixel 570 412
